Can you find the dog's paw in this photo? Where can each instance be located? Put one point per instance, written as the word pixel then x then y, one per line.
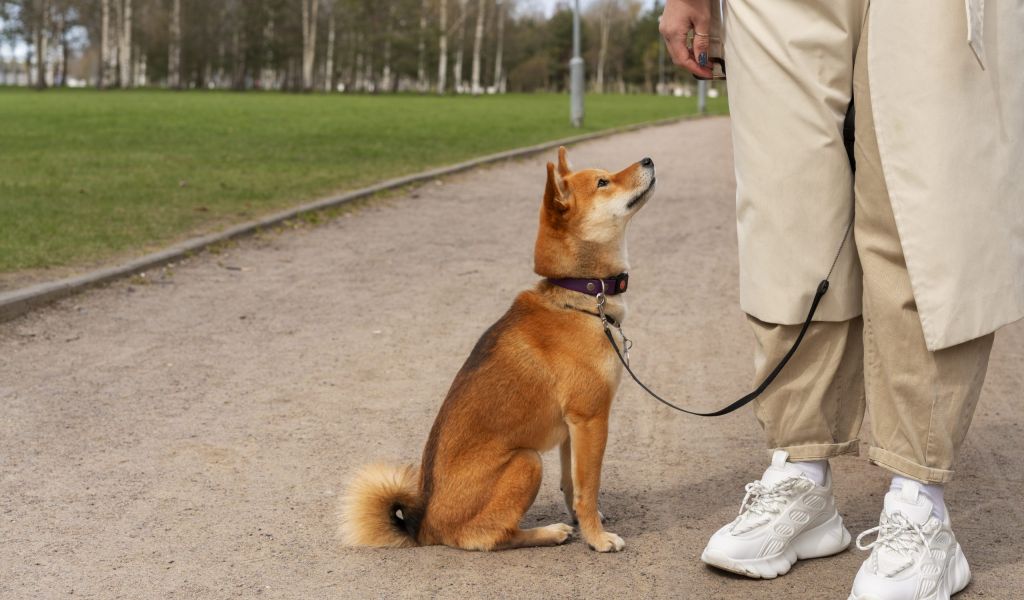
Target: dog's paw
pixel 560 532
pixel 607 541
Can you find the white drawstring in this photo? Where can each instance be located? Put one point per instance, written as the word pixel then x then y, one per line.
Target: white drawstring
pixel 762 499
pixel 899 534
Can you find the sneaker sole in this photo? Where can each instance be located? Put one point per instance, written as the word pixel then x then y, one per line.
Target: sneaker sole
pixel 957 577
pixel 824 540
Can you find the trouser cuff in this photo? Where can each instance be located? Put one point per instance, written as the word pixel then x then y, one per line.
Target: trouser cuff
pixel 822 451
pixel 908 468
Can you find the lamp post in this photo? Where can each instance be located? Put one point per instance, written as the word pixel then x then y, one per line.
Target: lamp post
pixel 576 72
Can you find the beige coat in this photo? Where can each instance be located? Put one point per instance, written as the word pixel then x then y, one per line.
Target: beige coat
pixel 947 91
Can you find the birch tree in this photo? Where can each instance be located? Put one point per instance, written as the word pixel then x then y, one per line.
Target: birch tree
pixel 124 51
pixel 104 79
pixel 604 25
pixel 460 53
pixel 421 66
pixel 268 73
pixel 309 13
pixel 60 72
pixel 499 52
pixel 442 49
pixel 239 39
pixel 478 41
pixel 173 46
pixel 40 34
pixel 387 78
pixel 329 58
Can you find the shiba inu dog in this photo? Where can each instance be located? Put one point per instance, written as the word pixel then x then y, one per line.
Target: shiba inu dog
pixel 542 376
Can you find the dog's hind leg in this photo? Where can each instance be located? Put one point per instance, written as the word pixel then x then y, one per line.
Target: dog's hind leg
pixel 496 526
pixel 550 535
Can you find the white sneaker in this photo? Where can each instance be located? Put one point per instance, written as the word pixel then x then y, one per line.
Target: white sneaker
pixel 785 517
pixel 914 557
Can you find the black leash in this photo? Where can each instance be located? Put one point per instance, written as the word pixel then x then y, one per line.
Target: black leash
pixel 818 295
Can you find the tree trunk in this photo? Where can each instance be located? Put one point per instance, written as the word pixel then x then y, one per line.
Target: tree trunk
pixel 104 78
pixel 238 58
pixel 369 75
pixel 219 77
pixel 329 60
pixel 460 53
pixel 41 29
pixel 499 53
pixel 478 40
pixel 602 53
pixel 141 67
pixel 268 70
pixel 60 77
pixel 421 69
pixel 65 55
pixel 116 25
pixel 309 11
pixel 442 50
pixel 386 73
pixel 174 47
pixel 357 73
pixel 124 52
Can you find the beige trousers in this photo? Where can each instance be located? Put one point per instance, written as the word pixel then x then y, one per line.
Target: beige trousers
pixel 921 402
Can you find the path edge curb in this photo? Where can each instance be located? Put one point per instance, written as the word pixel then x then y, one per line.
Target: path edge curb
pixel 17 302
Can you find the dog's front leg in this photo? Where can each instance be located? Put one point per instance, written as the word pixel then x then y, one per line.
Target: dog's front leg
pixel 566 485
pixel 588 438
pixel 567 488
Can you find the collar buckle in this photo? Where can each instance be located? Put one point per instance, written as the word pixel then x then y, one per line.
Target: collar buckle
pixel 621 283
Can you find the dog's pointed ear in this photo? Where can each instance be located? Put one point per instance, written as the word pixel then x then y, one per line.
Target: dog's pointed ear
pixel 556 193
pixel 564 168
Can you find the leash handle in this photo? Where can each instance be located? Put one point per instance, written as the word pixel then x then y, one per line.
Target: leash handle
pixel 738 404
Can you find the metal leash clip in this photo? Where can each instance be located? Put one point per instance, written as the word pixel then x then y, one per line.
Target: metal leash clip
pixel 626 342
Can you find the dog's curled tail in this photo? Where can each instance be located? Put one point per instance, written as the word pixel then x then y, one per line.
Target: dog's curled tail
pixel 379 507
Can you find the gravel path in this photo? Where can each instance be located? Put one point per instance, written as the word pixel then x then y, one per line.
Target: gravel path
pixel 186 435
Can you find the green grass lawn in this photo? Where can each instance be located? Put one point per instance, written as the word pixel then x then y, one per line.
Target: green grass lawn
pixel 87 176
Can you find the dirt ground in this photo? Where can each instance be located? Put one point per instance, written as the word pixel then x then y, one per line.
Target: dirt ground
pixel 187 434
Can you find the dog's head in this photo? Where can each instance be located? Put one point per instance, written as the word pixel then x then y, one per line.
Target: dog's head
pixel 584 215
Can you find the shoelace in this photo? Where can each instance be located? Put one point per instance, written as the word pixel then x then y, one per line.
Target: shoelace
pixel 899 534
pixel 761 499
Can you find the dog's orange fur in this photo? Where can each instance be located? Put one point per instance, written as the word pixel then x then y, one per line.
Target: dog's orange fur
pixel 542 376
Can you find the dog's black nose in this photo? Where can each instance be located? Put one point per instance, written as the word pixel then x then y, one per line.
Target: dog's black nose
pixel 647 162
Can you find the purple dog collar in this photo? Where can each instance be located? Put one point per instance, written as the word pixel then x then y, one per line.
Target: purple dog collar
pixel 592 287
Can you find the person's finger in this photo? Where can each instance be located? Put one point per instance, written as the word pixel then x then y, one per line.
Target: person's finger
pixel 702 42
pixel 690 64
pixel 689 61
pixel 675 34
pixel 676 46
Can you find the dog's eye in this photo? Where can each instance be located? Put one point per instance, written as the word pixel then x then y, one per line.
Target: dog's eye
pixel 602 183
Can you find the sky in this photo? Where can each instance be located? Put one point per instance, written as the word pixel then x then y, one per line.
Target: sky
pixel 548 6
pixel 6 52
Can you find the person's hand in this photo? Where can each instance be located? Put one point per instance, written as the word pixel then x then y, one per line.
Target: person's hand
pixel 679 18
